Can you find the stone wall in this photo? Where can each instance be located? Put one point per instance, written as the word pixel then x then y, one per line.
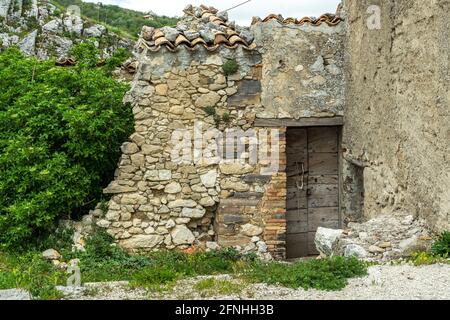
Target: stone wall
pixel 397 122
pixel 290 71
pixel 303 69
pixel 158 203
pixel 389 84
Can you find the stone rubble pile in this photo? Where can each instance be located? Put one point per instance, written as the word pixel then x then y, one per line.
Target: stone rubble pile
pixel 55 258
pixel 383 238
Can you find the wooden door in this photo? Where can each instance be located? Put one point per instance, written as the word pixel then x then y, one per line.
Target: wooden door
pixel 313 186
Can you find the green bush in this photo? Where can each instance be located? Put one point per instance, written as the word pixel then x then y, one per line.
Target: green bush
pixel 99 245
pixel 155 278
pixel 116 60
pixel 103 261
pixel 441 247
pixel 86 54
pixel 230 67
pixel 32 273
pixel 60 238
pixel 60 132
pixel 426 258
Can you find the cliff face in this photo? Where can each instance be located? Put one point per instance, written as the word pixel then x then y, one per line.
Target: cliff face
pixel 39 28
pixel 397 117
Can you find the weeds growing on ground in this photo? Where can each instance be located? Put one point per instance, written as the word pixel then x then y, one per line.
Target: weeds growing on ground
pixel 324 274
pixel 439 253
pixel 32 273
pixel 210 287
pixel 102 261
pixel 441 247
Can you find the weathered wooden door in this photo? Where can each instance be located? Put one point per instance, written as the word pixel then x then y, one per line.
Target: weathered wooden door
pixel 313 186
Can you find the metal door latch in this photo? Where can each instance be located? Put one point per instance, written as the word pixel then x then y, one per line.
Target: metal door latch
pixel 300 185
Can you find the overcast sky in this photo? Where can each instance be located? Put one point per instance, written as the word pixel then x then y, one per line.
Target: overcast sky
pixel 242 15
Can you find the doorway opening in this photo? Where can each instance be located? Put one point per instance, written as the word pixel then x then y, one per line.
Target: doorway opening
pixel 313 187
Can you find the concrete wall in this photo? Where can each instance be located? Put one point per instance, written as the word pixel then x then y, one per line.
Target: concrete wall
pixel 397 115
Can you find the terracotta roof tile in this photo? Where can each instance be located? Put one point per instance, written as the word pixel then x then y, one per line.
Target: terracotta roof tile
pixel 65 62
pixel 330 19
pixel 214 32
pixel 235 39
pixel 157 34
pixel 182 40
pixel 198 41
pixel 221 38
pixel 163 41
pixel 130 66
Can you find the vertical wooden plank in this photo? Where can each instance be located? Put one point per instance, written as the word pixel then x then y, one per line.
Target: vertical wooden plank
pixel 318 205
pixel 323 182
pixel 296 202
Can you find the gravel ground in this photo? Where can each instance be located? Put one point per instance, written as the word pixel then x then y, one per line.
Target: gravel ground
pixel 104 291
pixel 403 282
pixel 385 282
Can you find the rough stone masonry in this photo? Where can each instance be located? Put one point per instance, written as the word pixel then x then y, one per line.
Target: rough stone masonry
pixel 157 203
pixel 288 70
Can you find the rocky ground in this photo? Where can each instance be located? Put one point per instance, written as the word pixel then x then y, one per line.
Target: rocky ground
pixel 384 282
pixel 40 29
pixel 381 239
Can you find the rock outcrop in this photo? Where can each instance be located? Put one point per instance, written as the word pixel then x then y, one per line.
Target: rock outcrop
pixel 38 29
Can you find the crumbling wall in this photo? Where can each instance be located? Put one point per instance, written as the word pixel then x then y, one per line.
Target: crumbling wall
pixel 303 69
pixel 397 122
pixel 158 202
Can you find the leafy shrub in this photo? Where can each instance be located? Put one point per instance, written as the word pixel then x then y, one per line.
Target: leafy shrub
pixel 155 278
pixel 230 67
pixel 86 54
pixel 116 60
pixel 32 273
pixel 103 261
pixel 60 238
pixel 99 245
pixel 441 247
pixel 60 133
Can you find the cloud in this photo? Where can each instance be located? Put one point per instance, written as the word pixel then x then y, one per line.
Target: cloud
pixel 243 14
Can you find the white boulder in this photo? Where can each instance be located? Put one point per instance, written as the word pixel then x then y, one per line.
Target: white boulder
pixel 326 240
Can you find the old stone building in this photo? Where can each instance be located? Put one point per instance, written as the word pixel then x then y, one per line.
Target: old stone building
pixel 313 143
